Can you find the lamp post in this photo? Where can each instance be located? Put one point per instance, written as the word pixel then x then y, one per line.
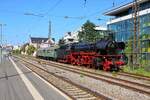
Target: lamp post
pixel 1 30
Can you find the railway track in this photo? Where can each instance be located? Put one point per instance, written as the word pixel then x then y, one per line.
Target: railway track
pixel 138 87
pixel 131 75
pixel 74 91
pixel 135 76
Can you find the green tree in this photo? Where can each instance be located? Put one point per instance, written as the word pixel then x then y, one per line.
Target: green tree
pixel 144 36
pixel 17 51
pixel 22 49
pixel 88 32
pixel 31 49
pixel 129 45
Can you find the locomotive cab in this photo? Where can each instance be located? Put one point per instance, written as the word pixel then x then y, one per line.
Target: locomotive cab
pixel 110 54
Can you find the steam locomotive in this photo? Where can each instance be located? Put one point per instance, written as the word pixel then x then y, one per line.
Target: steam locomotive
pixel 104 54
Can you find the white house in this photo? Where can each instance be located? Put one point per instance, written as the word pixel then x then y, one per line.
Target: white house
pixel 71 37
pixel 39 42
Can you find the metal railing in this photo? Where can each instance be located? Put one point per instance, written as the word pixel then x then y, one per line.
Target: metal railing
pixel 143 58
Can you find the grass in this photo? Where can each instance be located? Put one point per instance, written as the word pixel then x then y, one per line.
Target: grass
pixel 140 71
pixel 81 75
pixel 114 73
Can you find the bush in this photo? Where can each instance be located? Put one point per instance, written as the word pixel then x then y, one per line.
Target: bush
pixel 17 51
pixel 31 49
pixel 140 70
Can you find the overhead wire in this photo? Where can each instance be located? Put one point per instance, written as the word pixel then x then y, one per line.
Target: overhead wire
pixel 43 15
pixel 53 7
pixel 106 9
pixel 47 12
pixel 65 17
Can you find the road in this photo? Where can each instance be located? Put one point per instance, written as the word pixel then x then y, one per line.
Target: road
pixel 19 83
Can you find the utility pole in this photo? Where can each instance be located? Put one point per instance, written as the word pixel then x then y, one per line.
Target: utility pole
pixel 49 32
pixel 1 41
pixel 114 3
pixel 136 37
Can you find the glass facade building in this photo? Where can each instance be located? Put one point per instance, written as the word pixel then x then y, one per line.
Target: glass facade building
pixel 122 25
pixel 123 30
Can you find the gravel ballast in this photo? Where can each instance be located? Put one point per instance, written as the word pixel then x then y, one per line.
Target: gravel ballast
pixel 107 89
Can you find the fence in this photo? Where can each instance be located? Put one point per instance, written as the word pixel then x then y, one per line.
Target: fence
pixel 143 59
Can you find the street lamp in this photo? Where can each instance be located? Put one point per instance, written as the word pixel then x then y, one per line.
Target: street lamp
pixel 1 30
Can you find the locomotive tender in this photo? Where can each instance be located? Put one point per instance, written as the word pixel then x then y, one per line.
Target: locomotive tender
pixel 104 54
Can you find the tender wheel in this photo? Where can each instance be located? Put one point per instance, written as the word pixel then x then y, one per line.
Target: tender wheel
pixel 95 63
pixel 114 68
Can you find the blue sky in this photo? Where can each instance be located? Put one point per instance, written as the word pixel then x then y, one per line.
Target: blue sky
pixel 19 26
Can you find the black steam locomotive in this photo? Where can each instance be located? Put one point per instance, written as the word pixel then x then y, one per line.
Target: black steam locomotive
pixel 104 54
